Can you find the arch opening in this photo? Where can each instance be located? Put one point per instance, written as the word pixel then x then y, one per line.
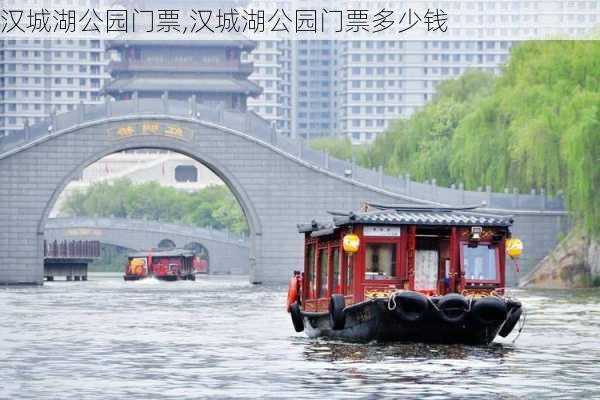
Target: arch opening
pixel 199 250
pixel 166 244
pixel 212 205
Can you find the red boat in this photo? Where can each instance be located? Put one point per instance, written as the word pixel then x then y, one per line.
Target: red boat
pixel 168 265
pixel 406 273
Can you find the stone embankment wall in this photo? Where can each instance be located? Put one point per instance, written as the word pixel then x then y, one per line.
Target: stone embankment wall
pixel 574 263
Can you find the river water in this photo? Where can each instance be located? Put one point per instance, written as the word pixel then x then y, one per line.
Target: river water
pixel 220 337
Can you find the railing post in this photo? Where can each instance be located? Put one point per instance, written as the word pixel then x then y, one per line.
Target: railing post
pixel 81 111
pixel 560 198
pixel 434 187
pixel 273 133
pixel 193 106
pixel 488 189
pixel 543 195
pixel 220 115
pixel 380 175
pixel 515 197
pixel 273 137
pixel 27 131
pixel 461 187
pixel 247 122
pixel 107 106
pixel 53 121
pixel 326 159
pixel 136 100
pixel 407 180
pixel 165 102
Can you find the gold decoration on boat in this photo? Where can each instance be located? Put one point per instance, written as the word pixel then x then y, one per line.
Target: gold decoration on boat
pixel 379 293
pixel 514 247
pixel 351 243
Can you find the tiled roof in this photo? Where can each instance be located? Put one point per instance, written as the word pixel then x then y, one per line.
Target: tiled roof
pixel 425 217
pixel 229 85
pixel 410 216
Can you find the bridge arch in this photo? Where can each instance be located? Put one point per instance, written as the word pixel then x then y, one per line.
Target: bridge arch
pixel 166 244
pixel 161 143
pixel 199 249
pixel 275 184
pixel 177 146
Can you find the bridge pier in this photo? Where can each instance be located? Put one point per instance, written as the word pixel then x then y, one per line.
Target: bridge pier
pixel 72 270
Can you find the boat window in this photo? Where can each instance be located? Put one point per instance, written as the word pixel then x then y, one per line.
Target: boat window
pixel 350 275
pixel 311 278
pixel 426 269
pixel 335 257
pixel 380 261
pixel 480 263
pixel 322 273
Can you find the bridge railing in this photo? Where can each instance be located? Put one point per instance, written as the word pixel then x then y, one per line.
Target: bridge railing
pixel 143 225
pixel 72 249
pixel 251 124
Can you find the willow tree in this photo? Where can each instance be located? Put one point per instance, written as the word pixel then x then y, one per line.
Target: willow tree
pixel 538 127
pixel 420 145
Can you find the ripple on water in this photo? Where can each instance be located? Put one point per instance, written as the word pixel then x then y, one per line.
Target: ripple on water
pixel 220 337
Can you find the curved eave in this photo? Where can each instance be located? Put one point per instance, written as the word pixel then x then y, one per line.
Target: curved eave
pixel 240 43
pixel 183 86
pixel 425 219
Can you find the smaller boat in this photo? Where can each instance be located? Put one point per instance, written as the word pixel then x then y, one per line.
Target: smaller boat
pixel 406 273
pixel 168 265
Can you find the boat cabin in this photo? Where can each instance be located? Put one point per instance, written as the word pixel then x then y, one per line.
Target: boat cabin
pixel 171 264
pixel 432 250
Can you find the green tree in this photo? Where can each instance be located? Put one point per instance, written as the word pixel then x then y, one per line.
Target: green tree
pixel 214 206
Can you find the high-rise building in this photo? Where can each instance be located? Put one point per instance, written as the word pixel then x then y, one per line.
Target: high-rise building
pixel 315 79
pixel 381 81
pixel 273 71
pixel 38 77
pixel 298 77
pixel 356 88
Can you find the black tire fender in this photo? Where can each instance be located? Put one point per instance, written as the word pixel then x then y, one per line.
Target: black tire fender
pixel 411 306
pixel 489 310
pixel 453 308
pixel 337 313
pixel 513 317
pixel 297 318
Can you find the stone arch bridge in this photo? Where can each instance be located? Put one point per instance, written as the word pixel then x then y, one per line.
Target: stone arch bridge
pixel 228 253
pixel 277 181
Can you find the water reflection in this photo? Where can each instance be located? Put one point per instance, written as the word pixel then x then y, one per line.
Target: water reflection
pixel 326 350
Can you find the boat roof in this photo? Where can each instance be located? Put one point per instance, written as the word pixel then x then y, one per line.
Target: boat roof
pixel 163 253
pixel 407 214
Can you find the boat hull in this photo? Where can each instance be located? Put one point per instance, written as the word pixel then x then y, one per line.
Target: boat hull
pixel 169 278
pixel 134 277
pixel 372 320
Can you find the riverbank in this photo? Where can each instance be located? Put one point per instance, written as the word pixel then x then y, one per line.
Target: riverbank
pixel 574 263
